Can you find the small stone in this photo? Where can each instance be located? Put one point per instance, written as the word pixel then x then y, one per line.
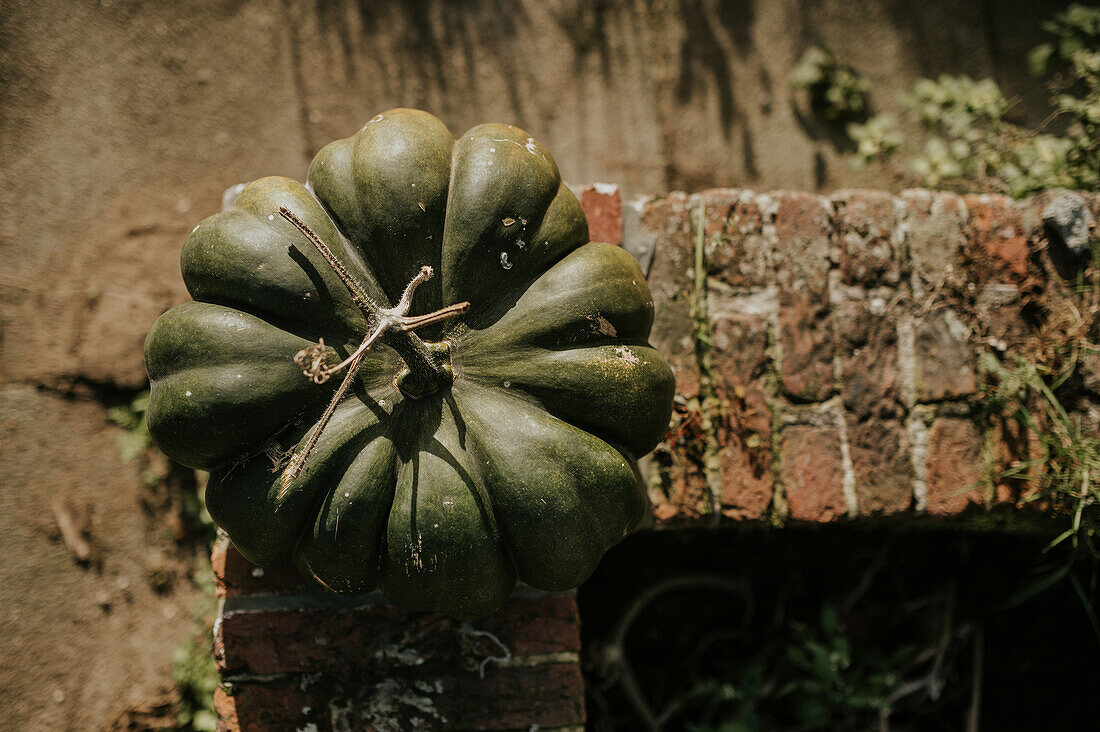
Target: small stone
pixel 1067 216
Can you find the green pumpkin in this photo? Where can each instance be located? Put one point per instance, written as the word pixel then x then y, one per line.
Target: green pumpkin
pixel 506 453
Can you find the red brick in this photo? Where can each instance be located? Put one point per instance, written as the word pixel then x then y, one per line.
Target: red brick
pixel 740 359
pixel 282 704
pixel 669 220
pixel 803 226
pixel 739 342
pixel 999 311
pixel 738 247
pixel 806 338
pixel 507 698
pixel 745 458
pixel 234 575
pixel 997 233
pixel 868 345
pixel 934 225
pixel 954 466
pixel 683 494
pixel 298 636
pixel 536 625
pixel 545 696
pixel 945 359
pixel 881 464
pixel 813 473
pixel 604 210
pixel 1013 444
pixel 865 223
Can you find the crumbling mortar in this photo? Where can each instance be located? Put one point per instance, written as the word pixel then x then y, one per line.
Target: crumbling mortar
pixel 916 426
pixel 710 405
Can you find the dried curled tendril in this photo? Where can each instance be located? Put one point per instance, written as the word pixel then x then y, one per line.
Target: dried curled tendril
pixel 312 361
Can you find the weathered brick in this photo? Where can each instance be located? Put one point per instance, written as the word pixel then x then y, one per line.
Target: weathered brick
pixel 803 224
pixel 868 345
pixel 1014 444
pixel 739 238
pixel 997 234
pixel 745 458
pixel 603 207
pixel 234 575
pixel 813 473
pixel 954 466
pixel 507 698
pixel 1000 317
pixel 671 282
pixel 739 340
pixel 303 634
pixel 881 464
pixel 944 367
pixel 934 232
pixel 865 223
pixel 682 493
pixel 806 340
pixel 280 704
pixel 739 359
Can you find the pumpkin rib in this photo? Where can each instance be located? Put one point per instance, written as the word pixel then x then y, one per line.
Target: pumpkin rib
pixel 594 388
pixel 265 520
pixel 487 211
pixel 561 496
pixel 458 564
pixel 593 293
pixel 382 187
pixel 343 564
pixel 259 264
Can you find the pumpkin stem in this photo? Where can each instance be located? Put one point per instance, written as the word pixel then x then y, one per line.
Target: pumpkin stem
pixel 298 460
pixel 426 366
pixel 358 296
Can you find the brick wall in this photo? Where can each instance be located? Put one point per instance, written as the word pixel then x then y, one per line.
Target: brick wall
pixel 842 376
pixel 841 381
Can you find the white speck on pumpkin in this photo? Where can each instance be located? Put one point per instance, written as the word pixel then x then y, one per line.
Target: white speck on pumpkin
pixel 271 217
pixel 507 384
pixel 504 263
pixel 187 393
pixel 627 355
pixel 521 243
pixel 448 504
pixel 530 145
pixel 347 495
pixel 492 149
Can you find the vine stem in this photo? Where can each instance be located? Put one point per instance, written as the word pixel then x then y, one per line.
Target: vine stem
pixel 392 325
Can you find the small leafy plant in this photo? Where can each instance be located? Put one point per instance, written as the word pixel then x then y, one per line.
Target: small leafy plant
pixel 1062 472
pixel 969 140
pixel 837 91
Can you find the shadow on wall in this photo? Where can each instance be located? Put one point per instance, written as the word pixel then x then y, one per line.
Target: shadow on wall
pixel 656 96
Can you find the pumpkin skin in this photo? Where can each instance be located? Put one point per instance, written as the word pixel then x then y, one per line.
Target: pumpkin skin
pixel 521 468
